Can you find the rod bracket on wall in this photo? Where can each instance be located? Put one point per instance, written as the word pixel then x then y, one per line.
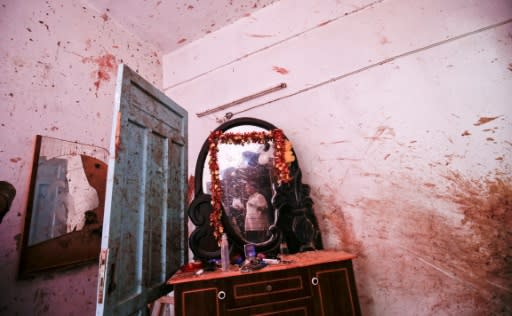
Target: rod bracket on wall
pixel 280 86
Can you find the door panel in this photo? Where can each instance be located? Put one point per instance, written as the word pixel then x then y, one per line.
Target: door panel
pixel 144 229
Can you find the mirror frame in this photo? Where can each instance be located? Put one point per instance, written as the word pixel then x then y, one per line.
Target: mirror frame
pixel 66 251
pixel 294 220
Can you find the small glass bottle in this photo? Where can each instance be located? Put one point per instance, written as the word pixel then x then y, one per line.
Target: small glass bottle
pixel 224 253
pixel 283 248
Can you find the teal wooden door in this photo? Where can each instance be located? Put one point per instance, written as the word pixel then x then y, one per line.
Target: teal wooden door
pixel 144 237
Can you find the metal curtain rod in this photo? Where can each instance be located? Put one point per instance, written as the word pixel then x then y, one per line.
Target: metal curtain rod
pixel 282 85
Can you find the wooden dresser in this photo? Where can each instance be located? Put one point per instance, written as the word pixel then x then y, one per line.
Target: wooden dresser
pixel 313 283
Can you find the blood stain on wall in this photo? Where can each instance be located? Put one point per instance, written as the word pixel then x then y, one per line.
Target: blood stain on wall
pixel 281 70
pixel 107 65
pixel 181 41
pixel 467 244
pixel 486 205
pixel 338 232
pixel 485 120
pixel 384 40
pixel 474 253
pixel 15 160
pixel 45 25
pixel 381 132
pixel 331 213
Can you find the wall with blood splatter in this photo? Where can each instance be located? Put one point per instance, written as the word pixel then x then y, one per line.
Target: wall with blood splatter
pixel 400 114
pixel 58 63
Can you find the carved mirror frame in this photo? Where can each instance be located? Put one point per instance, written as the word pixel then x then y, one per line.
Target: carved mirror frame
pixel 293 217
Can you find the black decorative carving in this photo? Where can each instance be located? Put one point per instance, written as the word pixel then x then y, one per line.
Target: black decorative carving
pixel 292 218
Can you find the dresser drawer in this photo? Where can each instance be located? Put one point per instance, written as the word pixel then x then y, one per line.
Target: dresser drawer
pixel 267 287
pixel 294 307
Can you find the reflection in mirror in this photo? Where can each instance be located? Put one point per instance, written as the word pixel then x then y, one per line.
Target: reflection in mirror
pixel 64 199
pixel 245 174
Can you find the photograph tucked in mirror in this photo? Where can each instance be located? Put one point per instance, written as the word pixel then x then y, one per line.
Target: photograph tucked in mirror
pixel 245 174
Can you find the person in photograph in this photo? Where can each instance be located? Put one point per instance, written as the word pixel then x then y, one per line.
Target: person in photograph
pixel 257 211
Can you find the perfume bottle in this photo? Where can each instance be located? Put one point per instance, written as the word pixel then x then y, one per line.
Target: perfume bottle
pixel 224 253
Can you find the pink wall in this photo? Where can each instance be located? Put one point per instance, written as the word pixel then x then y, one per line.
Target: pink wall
pixel 58 65
pixel 400 114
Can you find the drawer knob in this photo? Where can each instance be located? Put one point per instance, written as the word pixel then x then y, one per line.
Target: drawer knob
pixel 268 288
pixel 221 295
pixel 314 281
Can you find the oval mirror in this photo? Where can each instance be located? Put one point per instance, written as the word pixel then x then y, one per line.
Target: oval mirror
pixel 251 192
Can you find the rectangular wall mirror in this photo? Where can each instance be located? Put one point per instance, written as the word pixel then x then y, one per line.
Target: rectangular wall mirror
pixel 65 206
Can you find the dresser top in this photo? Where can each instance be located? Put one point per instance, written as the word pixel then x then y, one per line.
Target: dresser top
pixel 298 260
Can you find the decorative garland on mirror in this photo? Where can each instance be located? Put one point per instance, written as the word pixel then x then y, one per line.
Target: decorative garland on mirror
pixel 283 157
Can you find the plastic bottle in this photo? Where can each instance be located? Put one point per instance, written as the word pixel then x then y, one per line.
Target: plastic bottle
pixel 224 253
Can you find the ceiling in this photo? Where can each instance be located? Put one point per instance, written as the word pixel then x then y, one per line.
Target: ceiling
pixel 170 24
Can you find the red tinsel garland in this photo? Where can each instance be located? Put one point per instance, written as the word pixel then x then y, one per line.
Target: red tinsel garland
pixel 280 165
